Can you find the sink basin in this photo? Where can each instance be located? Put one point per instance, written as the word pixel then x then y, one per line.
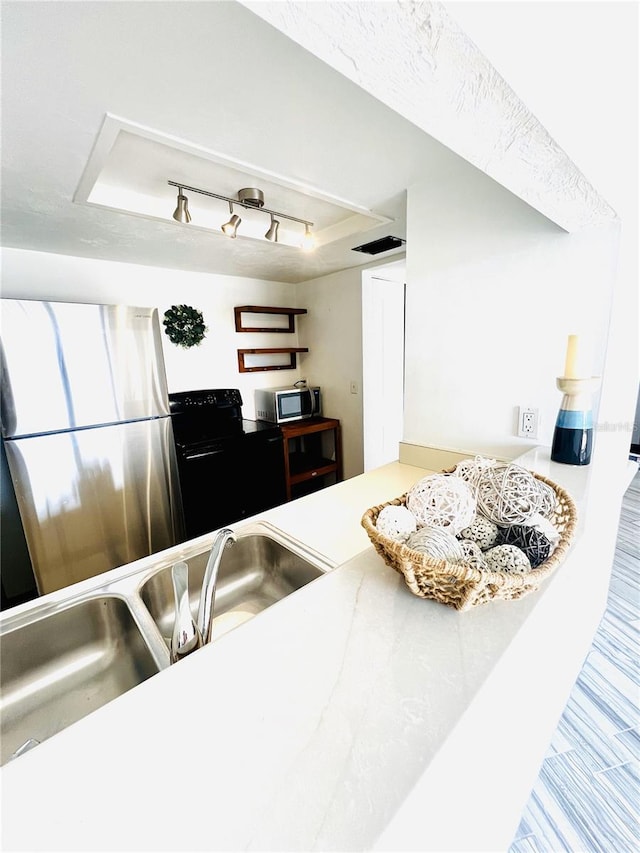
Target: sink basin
pixel 67 655
pixel 254 573
pixel 60 667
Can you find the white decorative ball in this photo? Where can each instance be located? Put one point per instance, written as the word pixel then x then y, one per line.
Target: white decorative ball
pixel 470 470
pixel 473 555
pixel 396 522
pixel 442 500
pixel 507 558
pixel 481 531
pixel 436 542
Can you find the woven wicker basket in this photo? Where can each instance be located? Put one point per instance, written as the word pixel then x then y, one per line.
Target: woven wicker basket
pixel 462 586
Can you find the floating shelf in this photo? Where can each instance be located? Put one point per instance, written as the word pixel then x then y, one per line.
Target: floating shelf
pixel 269 351
pixel 289 313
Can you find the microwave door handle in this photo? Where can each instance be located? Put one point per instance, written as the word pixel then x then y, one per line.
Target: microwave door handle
pixel 314 402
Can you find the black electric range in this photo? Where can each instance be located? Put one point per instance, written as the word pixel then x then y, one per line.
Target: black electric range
pixel 229 467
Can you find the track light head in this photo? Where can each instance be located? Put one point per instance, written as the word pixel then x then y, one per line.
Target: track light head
pixel 272 233
pixel 308 241
pixel 181 213
pixel 230 228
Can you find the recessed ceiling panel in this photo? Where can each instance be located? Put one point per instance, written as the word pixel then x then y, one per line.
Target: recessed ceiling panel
pixel 130 167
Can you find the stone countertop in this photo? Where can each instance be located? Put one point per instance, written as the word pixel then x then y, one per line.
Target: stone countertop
pixel 349 716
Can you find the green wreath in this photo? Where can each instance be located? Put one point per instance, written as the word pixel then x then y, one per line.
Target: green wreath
pixel 184 325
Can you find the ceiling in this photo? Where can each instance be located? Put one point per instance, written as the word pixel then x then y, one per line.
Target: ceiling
pixel 127 96
pixel 207 82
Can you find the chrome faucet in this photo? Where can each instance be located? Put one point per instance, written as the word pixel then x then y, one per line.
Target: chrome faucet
pixel 188 635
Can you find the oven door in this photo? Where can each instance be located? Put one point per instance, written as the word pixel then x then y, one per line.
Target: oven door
pixel 229 479
pixel 209 481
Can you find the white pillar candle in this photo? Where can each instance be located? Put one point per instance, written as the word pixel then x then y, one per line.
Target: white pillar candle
pixel 579 357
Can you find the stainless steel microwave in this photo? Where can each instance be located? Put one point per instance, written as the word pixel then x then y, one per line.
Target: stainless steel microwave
pixel 281 405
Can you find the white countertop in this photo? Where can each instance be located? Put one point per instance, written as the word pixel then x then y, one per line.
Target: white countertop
pixel 349 716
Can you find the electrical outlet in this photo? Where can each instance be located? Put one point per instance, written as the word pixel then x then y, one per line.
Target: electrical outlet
pixel 527 422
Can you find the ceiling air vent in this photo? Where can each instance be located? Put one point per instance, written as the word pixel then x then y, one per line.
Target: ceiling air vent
pixel 384 244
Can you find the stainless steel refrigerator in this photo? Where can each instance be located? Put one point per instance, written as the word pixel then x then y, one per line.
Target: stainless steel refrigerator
pixel 88 436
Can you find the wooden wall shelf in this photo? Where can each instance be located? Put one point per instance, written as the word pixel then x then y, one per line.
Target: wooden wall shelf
pixel 269 351
pixel 289 313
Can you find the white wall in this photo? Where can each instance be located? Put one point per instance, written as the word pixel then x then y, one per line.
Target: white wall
pixel 212 364
pixel 546 51
pixel 332 329
pixel 493 290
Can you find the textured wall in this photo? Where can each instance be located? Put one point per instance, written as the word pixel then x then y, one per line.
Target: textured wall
pixel 415 58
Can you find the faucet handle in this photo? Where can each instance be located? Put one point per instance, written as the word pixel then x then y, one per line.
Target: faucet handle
pixel 185 637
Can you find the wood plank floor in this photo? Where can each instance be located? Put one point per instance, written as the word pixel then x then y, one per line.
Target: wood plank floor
pixel 587 796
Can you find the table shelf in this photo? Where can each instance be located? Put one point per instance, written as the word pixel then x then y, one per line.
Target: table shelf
pixel 312 455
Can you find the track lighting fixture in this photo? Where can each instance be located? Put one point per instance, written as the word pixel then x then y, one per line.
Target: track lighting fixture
pixel 249 198
pixel 181 213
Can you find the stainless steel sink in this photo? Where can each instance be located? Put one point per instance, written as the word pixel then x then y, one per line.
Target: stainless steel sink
pixel 69 653
pixel 255 573
pixel 60 667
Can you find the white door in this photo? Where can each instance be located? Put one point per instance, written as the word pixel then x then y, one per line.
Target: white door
pixel 383 299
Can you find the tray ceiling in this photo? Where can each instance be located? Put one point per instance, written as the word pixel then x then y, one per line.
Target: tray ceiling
pixel 129 168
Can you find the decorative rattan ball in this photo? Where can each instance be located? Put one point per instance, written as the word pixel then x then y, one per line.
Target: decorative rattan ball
pixel 545 526
pixel 396 522
pixel 506 558
pixel 442 500
pixel 473 555
pixel 530 541
pixel 481 531
pixel 472 469
pixel 508 494
pixel 436 542
pixel 548 499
